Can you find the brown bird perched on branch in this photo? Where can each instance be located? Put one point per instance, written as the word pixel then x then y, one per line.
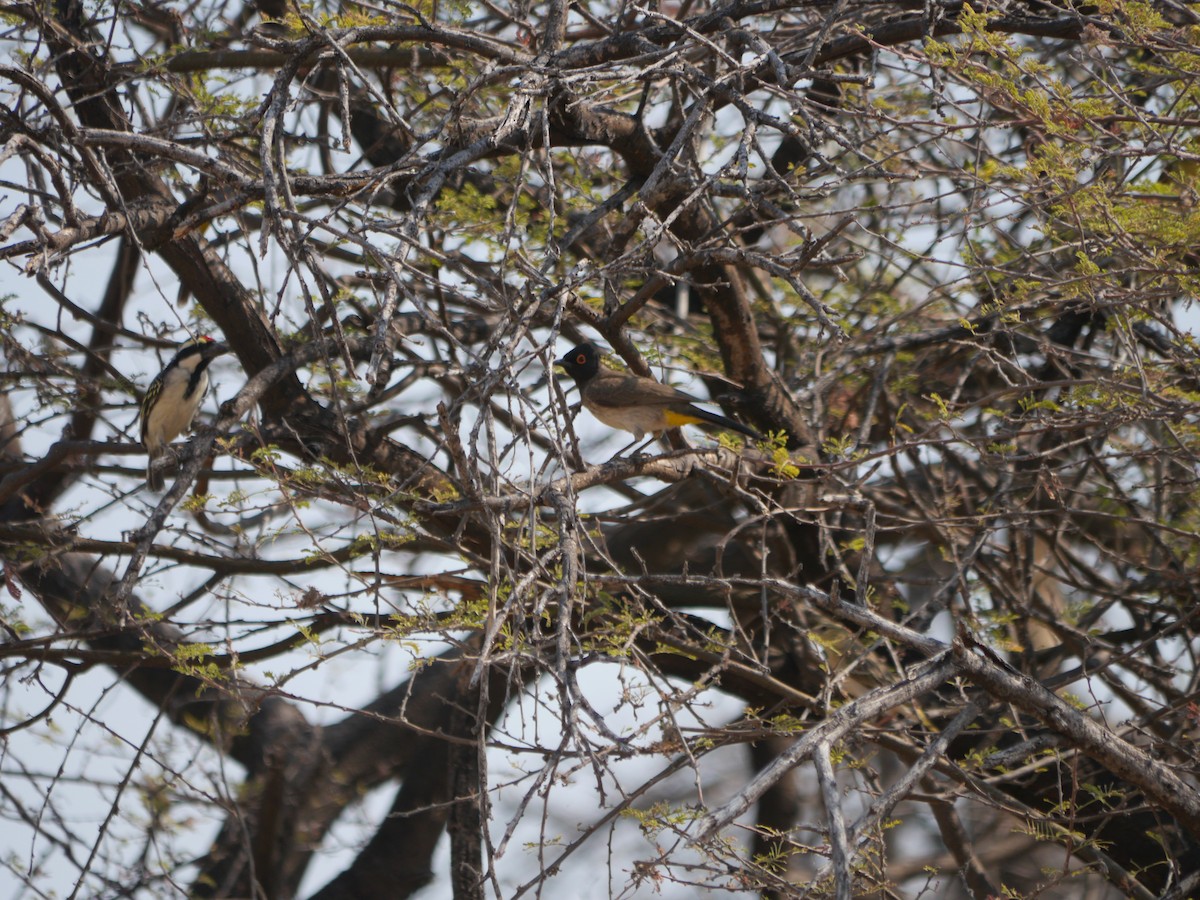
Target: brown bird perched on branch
pixel 635 404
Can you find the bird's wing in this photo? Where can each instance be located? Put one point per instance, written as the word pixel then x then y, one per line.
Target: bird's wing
pixel 616 390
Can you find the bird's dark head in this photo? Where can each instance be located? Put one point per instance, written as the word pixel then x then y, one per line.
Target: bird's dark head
pixel 198 352
pixel 581 363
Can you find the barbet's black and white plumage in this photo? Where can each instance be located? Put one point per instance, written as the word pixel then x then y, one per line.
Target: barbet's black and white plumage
pixel 173 398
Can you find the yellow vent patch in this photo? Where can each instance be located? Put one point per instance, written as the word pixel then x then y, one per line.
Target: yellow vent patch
pixel 674 419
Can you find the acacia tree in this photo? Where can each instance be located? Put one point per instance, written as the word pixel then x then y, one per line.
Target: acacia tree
pixel 932 637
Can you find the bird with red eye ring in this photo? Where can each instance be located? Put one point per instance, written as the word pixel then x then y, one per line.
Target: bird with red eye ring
pixel 635 404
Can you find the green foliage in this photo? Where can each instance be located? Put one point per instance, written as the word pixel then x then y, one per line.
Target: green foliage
pixel 783 465
pixel 611 626
pixel 843 448
pixel 194 660
pixel 216 100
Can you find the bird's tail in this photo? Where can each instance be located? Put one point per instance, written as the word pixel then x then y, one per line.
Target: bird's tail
pixel 154 475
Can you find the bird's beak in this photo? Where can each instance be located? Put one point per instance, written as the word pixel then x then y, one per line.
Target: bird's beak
pixel 215 350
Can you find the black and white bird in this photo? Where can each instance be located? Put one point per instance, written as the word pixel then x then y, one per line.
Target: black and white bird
pixel 172 399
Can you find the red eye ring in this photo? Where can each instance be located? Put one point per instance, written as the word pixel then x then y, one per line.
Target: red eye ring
pixel 581 358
